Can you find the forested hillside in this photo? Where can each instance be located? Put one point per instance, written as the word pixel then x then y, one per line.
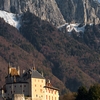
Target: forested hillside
pixel 91 36
pixel 67 62
pixel 14 48
pixel 70 60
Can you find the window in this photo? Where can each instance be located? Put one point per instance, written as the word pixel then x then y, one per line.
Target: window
pixel 23 90
pixel 41 90
pixel 15 85
pixel 24 85
pixel 46 97
pixel 35 85
pixel 49 91
pixel 36 95
pixel 20 85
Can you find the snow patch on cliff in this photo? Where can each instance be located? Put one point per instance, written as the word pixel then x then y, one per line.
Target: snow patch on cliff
pixel 11 18
pixel 70 27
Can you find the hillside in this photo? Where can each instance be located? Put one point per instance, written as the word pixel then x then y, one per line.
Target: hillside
pixel 72 62
pixel 66 61
pixel 90 37
pixel 14 48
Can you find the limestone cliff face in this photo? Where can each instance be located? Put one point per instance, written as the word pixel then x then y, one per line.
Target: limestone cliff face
pixel 80 11
pixel 45 9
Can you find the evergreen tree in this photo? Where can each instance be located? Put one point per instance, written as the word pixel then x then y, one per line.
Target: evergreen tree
pixel 82 93
pixel 94 92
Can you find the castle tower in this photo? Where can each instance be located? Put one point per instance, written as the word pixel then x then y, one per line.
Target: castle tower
pixel 9 68
pixel 42 74
pixel 37 84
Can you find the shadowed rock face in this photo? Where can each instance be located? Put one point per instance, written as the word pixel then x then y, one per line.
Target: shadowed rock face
pixel 80 11
pixel 45 9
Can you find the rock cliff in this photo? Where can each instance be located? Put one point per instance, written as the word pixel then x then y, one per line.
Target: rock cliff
pixel 45 9
pixel 57 11
pixel 80 11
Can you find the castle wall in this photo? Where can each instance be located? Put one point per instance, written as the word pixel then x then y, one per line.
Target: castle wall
pixel 18 97
pixel 37 89
pixel 51 94
pixel 17 88
pixel 29 84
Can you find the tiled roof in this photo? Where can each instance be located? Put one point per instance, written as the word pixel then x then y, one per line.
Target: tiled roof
pixel 51 87
pixel 36 74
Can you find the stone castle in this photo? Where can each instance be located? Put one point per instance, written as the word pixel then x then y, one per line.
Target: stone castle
pixel 31 85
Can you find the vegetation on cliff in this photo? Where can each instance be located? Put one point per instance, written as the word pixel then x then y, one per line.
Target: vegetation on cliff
pixel 67 62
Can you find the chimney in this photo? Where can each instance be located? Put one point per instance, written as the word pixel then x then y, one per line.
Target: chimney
pixel 42 74
pixel 34 66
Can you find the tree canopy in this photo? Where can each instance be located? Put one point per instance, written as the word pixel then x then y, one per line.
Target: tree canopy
pixel 92 94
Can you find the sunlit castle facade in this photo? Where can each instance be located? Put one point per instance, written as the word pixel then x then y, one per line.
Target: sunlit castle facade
pixel 31 85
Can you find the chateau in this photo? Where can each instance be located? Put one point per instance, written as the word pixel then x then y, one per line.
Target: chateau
pixel 31 85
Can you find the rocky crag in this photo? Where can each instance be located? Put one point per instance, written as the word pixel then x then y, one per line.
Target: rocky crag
pixel 80 11
pixel 56 12
pixel 45 9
